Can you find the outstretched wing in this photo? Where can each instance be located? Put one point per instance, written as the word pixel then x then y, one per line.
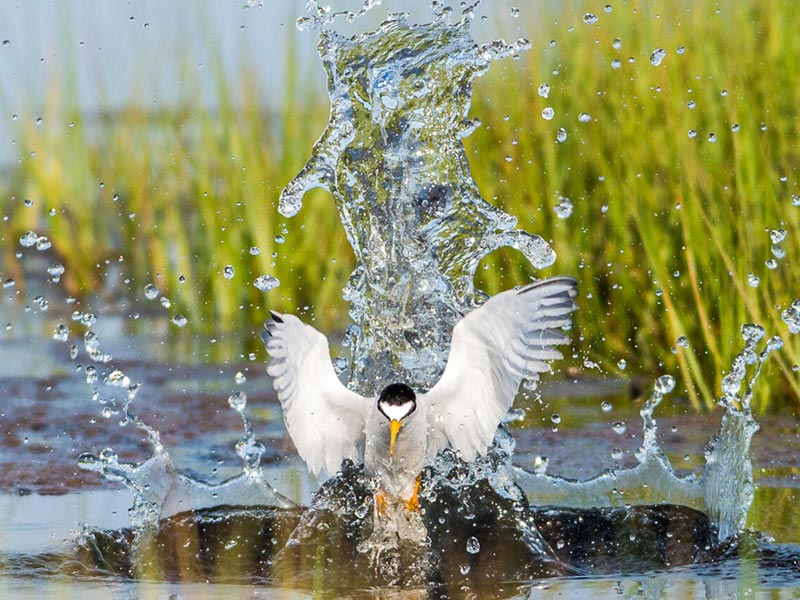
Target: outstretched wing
pixel 493 348
pixel 325 420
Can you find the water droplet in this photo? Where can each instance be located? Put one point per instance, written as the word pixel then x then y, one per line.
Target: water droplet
pixel 61 333
pixel 464 568
pixel 692 133
pixel 279 239
pixel 117 379
pixel 266 283
pixel 657 56
pixel 555 418
pixel 605 406
pixel 608 8
pixel 473 545
pixel 88 461
pixel 681 49
pixel 712 137
pixel 584 117
pixel 228 272
pixel 150 291
pixel 752 333
pixel 691 104
pixel 795 199
pixel 239 378
pixel 682 342
pixel 617 454
pixel 616 44
pixel 29 239
pixel 778 251
pixel 564 208
pixel 791 316
pixel 772 264
pixel 180 320
pixel 548 113
pixel 55 270
pixel 254 251
pixel 723 93
pixel 664 384
pixel 622 364
pixel 619 427
pixel 735 127
pixel 6 42
pixel 230 544
pixel 590 18
pixel 561 135
pixel 544 90
pixel 616 63
pixel 752 280
pixel 238 401
pixel 41 302
pixel 777 235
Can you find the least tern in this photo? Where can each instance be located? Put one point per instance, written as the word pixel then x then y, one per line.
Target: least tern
pixel 495 346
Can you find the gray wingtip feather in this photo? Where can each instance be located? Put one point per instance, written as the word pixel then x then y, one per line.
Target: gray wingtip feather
pixel 562 283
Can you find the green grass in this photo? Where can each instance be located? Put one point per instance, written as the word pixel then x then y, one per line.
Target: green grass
pixel 665 228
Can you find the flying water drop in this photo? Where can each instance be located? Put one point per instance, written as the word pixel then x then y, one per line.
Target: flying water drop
pixel 150 291
pixel 657 56
pixel 564 208
pixel 544 90
pixel 791 316
pixel 266 283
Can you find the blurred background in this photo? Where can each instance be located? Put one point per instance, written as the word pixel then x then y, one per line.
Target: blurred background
pixel 146 144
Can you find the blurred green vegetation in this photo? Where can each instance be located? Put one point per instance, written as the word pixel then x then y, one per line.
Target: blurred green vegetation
pixel 665 227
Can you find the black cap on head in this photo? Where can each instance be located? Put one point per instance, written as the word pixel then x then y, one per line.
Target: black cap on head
pixel 396 395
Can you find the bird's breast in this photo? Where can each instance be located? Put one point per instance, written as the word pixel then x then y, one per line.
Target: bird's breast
pixel 396 474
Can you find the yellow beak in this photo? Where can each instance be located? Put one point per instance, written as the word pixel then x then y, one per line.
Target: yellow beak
pixel 394 427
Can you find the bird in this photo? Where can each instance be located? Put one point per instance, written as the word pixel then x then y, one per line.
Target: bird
pixel 512 336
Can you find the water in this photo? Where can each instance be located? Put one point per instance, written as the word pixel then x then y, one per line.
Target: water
pixel 394 165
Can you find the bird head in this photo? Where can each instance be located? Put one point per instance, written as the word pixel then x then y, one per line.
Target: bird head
pixel 396 402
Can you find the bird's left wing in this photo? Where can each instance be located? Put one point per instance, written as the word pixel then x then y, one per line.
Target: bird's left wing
pixel 325 420
pixel 493 348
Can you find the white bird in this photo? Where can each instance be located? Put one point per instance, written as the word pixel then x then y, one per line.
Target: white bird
pixel 510 337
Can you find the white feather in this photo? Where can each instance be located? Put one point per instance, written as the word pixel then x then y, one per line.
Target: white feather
pixel 493 348
pixel 325 420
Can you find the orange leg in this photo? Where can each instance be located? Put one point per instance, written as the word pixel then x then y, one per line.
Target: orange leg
pixel 412 504
pixel 380 503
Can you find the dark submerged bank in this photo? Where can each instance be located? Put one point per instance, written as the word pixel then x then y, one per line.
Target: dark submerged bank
pixel 476 537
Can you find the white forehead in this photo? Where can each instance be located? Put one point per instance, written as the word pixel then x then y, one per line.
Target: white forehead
pixel 396 412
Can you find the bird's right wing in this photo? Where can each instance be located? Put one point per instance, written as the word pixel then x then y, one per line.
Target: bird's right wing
pixel 325 420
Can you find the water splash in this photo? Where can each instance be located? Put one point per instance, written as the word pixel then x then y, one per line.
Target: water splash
pixel 392 158
pixel 159 490
pixel 725 489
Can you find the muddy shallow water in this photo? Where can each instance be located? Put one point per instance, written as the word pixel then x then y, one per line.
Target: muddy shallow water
pixel 48 418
